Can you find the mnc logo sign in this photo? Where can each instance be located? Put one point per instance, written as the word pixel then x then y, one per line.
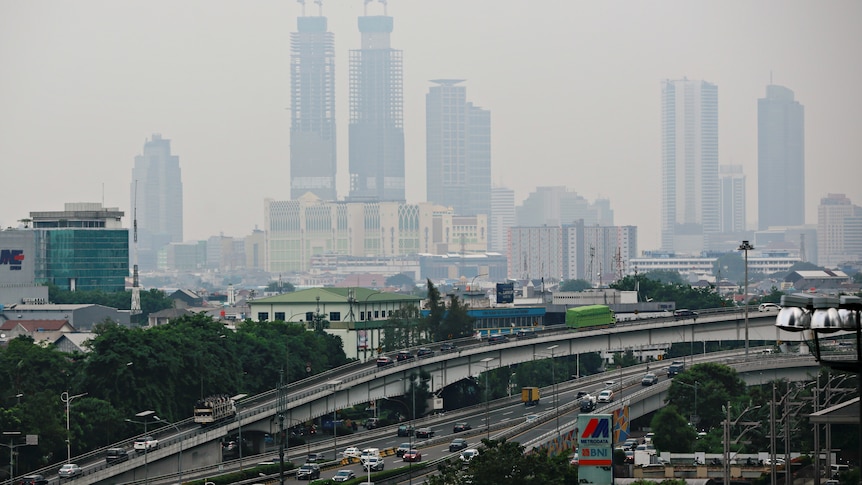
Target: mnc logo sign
pixel 597 428
pixel 12 258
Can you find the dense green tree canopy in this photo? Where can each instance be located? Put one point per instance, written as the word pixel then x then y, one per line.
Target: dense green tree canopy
pixel 575 285
pixel 672 432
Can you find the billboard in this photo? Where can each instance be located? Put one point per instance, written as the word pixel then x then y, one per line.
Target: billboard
pixel 505 292
pixel 595 449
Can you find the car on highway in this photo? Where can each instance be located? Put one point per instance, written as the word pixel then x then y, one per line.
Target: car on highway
pixel 630 443
pixel 424 352
pixel 383 361
pixel 405 430
pixel 402 448
pixel 373 464
pixel 684 313
pixel 69 470
pixel 308 471
pixel 315 458
pixel 343 476
pixel 526 334
pixel 450 347
pixel 458 444
pixel 778 461
pixel 606 396
pixel 462 426
pixel 469 454
pixel 146 443
pixel 33 480
pixel 351 452
pixel 424 433
pixel 531 418
pixel 116 455
pixel 404 355
pixel 497 339
pixel 412 455
pixel 649 379
pixel 768 307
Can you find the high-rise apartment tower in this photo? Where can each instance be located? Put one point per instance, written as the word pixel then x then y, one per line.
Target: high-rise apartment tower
pixel 312 109
pixel 689 148
pixel 780 159
pixel 458 149
pixel 376 130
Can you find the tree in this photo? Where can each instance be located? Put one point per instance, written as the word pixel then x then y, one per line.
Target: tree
pixel 436 308
pixel 575 285
pixel 716 384
pixel 731 266
pixel 456 322
pixel 672 432
pixel 502 461
pixel 280 287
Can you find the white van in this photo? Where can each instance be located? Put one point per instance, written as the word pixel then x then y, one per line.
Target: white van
pixel 369 453
pixel 838 469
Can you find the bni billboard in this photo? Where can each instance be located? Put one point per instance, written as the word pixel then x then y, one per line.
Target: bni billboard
pixel 595 449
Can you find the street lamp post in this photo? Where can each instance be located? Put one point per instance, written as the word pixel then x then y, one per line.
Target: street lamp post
pixel 66 398
pixel 145 415
pixel 12 435
pixel 236 399
pixel 486 360
pixel 727 426
pixel 695 418
pixel 334 384
pixel 180 456
pixel 746 247
pixel 556 394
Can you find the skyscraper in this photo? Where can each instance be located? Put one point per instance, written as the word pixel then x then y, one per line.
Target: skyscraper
pixel 780 159
pixel 839 231
pixel 732 198
pixel 689 148
pixel 376 130
pixel 458 149
pixel 156 200
pixel 312 116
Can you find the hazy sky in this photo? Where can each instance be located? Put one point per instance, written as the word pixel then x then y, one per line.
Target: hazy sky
pixel 573 88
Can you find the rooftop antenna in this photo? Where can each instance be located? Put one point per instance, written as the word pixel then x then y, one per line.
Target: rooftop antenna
pixel 319 7
pixel 302 2
pixel 384 2
pixel 135 308
pixel 365 11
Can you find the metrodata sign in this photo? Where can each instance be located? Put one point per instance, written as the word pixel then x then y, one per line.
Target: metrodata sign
pixel 595 449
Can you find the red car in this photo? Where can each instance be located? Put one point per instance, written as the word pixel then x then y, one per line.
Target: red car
pixel 413 455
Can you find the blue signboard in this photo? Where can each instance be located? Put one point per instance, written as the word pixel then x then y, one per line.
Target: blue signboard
pixel 505 292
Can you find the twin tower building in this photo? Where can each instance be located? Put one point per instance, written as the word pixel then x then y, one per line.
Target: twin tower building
pixel 458 133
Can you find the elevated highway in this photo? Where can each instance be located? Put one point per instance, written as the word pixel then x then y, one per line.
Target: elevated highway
pixel 187 446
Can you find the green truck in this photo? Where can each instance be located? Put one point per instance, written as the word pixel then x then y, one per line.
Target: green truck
pixel 589 316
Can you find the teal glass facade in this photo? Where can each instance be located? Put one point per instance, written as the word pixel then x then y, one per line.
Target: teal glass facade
pixel 83 259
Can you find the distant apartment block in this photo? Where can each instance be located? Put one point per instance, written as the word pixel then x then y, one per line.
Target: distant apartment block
pixel 535 252
pixel 501 219
pixel 555 206
pixel 156 200
pixel 598 254
pixel 298 230
pixel 313 159
pixel 689 171
pixel 839 231
pixel 780 159
pixel 376 125
pixel 458 149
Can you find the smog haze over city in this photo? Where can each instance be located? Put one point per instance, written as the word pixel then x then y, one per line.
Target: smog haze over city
pixel 573 88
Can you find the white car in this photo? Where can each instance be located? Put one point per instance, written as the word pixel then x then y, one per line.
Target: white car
pixel 352 452
pixel 373 464
pixel 768 307
pixel 69 470
pixel 469 454
pixel 606 396
pixel 146 443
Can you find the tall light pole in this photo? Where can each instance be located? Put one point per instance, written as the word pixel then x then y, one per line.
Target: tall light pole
pixel 334 384
pixel 66 398
pixel 180 456
pixel 745 247
pixel 554 381
pixel 12 435
pixel 486 360
pixel 145 415
pixel 236 399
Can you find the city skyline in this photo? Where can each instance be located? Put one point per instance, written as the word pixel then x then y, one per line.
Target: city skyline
pixel 573 89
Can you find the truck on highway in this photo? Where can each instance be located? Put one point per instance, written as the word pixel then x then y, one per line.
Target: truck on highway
pixel 587 403
pixel 530 396
pixel 213 409
pixel 590 316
